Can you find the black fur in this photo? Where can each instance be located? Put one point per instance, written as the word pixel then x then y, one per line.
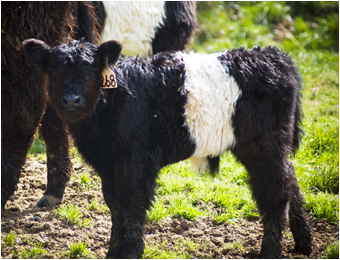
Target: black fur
pixel 24 103
pixel 179 25
pixel 267 128
pixel 129 133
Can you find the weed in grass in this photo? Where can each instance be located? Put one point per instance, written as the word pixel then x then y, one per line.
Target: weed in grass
pixel 94 205
pixel 71 214
pixel 231 246
pixel 10 239
pixel 98 206
pixel 332 251
pixel 85 181
pixel 159 252
pixel 36 252
pixel 87 222
pixel 80 250
pixel 191 245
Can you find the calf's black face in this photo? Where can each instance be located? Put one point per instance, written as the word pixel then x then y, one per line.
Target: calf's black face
pixel 74 70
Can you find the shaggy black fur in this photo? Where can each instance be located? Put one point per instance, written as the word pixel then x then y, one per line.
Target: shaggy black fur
pixel 179 25
pixel 129 133
pixel 266 126
pixel 24 104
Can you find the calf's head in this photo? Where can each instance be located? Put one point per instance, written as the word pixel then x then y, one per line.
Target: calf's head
pixel 74 73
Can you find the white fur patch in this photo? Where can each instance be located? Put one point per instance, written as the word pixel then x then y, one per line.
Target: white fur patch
pixel 212 95
pixel 133 23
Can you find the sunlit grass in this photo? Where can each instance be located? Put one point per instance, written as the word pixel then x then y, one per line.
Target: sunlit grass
pixel 332 251
pixel 36 252
pixel 72 215
pixel 80 250
pixel 10 239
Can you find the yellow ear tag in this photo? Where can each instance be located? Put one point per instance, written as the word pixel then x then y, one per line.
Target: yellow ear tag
pixel 108 79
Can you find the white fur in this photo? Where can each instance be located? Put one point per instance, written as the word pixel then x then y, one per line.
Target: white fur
pixel 133 23
pixel 212 95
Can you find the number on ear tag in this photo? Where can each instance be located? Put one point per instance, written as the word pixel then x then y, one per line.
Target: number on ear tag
pixel 108 79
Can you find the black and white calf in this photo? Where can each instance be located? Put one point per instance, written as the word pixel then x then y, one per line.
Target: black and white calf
pixel 171 107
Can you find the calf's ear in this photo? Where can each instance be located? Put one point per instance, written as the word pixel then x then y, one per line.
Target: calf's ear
pixel 109 52
pixel 37 52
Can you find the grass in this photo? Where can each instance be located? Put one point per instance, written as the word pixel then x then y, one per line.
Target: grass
pixel 72 215
pixel 157 251
pixel 86 181
pixel 38 147
pixel 98 206
pixel 332 251
pixel 10 239
pixel 80 250
pixel 36 252
pixel 236 245
pixel 160 251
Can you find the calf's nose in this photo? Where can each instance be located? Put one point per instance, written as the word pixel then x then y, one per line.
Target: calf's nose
pixel 72 101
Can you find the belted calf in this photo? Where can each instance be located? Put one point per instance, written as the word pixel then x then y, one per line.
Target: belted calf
pixel 129 117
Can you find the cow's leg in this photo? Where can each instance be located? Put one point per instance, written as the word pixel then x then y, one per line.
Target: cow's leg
pixel 14 147
pixel 299 226
pixel 59 166
pixel 128 201
pixel 271 187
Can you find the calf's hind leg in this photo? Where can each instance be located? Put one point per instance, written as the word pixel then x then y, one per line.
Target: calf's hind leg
pixel 299 226
pixel 270 186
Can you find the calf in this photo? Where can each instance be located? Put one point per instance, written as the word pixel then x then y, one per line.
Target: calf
pixel 130 117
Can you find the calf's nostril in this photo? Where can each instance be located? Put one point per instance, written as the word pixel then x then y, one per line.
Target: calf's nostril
pixel 64 101
pixel 71 101
pixel 77 102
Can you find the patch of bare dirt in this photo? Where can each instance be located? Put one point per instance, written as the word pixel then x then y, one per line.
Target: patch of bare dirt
pixel 24 218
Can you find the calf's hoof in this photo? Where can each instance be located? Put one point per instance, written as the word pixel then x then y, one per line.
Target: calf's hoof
pixel 306 249
pixel 48 200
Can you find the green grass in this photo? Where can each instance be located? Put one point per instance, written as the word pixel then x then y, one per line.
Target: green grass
pixel 72 215
pixel 38 147
pixel 231 246
pixel 332 251
pixel 80 250
pixel 183 250
pixel 157 251
pixel 86 181
pixel 36 252
pixel 98 206
pixel 10 239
